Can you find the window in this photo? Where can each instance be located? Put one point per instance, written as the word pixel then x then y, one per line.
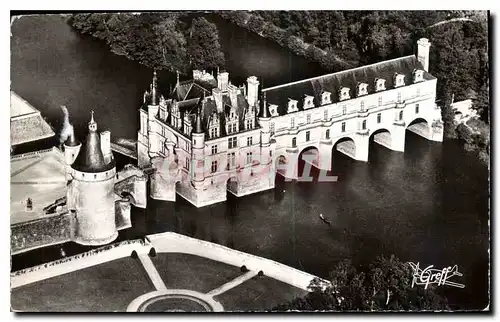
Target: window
pixel 379 117
pixel 363 125
pixel 194 141
pixel 380 101
pixel 344 110
pixel 214 166
pixel 416 108
pixel 249 140
pixel 235 129
pixel 249 157
pixel 308 118
pixel 231 159
pixel 214 149
pixel 327 134
pixel 308 135
pixel 294 142
pixel 400 115
pixel 343 126
pixel 249 124
pixel 399 97
pixel 292 122
pixel 213 132
pixel 187 163
pixel 362 105
pixel 232 142
pixel 272 128
pixel 326 114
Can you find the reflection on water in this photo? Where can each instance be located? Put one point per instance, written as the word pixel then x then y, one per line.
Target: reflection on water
pixel 428 204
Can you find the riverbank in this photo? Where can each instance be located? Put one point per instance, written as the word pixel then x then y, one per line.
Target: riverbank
pixel 475 136
pixel 254 23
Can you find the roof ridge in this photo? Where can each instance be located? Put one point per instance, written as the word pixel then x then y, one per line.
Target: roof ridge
pixel 335 73
pixel 187 92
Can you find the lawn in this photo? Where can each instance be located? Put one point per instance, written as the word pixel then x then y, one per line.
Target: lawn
pixel 106 287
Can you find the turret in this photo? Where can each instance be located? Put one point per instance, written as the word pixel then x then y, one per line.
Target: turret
pixel 71 149
pixel 154 94
pixel 265 135
pixel 153 105
pixel 198 148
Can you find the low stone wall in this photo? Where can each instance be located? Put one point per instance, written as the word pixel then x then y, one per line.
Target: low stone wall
pixel 164 243
pixel 67 265
pixel 52 230
pixel 174 243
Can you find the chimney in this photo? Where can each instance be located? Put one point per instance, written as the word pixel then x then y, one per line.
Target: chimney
pixel 106 146
pixel 222 81
pixel 217 94
pixel 423 52
pixel 233 95
pixel 253 90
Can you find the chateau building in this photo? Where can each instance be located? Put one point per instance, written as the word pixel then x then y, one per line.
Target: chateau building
pixel 208 135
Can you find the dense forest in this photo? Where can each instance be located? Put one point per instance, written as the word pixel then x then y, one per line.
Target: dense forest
pixel 384 285
pixel 338 40
pixel 170 40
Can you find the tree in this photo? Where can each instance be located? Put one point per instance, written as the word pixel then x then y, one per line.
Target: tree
pixel 203 45
pixel 385 285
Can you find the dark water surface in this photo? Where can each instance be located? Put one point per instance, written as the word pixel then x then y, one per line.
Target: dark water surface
pixel 427 205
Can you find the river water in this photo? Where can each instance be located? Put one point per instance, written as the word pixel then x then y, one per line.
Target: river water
pixel 428 204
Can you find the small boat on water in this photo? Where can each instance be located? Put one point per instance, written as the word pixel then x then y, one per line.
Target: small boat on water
pixel 326 221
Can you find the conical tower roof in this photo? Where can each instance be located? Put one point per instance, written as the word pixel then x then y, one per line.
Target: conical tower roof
pixel 90 158
pixel 264 110
pixel 198 128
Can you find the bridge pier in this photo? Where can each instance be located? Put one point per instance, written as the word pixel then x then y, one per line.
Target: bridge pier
pixel 362 147
pixel 325 156
pixel 398 137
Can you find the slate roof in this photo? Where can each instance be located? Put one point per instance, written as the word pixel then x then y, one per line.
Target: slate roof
pixel 29 129
pixel 90 158
pixel 26 123
pixel 280 95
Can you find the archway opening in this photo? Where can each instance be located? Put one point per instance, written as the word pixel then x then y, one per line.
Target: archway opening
pixel 343 154
pixel 420 127
pixel 281 167
pixel 379 141
pixel 232 187
pixel 308 163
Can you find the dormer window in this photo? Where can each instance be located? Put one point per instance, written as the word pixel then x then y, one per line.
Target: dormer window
pixel 273 110
pixel 292 106
pixel 362 89
pixel 344 93
pixel 308 101
pixel 399 80
pixel 326 98
pixel 379 84
pixel 418 75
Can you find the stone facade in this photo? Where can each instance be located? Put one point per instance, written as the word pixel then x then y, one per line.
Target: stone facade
pixel 205 156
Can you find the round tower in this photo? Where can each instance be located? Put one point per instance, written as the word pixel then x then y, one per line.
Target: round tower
pixel 198 155
pixel 91 193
